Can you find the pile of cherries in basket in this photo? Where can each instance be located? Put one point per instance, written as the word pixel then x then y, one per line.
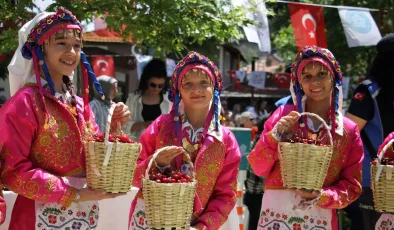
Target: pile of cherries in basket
pixel 298 139
pixel 123 138
pixel 385 161
pixel 170 177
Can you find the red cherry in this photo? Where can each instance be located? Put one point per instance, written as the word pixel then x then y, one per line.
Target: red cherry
pixel 158 181
pixel 152 177
pixel 183 180
pixel 176 176
pixel 187 177
pixel 172 180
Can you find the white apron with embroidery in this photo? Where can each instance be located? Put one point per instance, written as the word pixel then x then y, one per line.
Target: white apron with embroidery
pixel 278 212
pixel 385 222
pixel 139 222
pixel 81 216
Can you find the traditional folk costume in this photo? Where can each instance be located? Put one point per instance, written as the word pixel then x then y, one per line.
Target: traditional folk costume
pixel 213 149
pixel 281 207
pixel 43 134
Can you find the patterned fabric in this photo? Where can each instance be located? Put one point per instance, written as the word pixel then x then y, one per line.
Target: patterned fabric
pixel 193 58
pixel 44 29
pixel 343 181
pixel 191 61
pixel 83 215
pixel 277 214
pixel 39 150
pixel 385 222
pixel 327 59
pixel 216 168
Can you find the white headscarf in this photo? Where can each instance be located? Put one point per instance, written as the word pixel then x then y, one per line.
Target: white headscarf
pixel 21 69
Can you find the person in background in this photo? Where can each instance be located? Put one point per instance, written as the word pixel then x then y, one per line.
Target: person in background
pixel 372 109
pixel 101 107
pixel 254 187
pixel 259 111
pixel 226 116
pixel 247 120
pixel 237 110
pixel 149 101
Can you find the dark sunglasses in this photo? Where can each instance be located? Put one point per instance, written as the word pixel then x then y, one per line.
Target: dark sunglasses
pixel 154 85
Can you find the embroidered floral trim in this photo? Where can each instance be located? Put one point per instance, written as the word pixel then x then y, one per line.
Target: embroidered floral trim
pixel 68 197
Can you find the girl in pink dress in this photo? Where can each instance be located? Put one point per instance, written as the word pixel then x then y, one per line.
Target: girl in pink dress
pixel 44 127
pixel 193 126
pixel 316 88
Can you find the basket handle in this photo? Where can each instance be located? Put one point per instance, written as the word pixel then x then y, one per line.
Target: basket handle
pixel 384 150
pixel 324 124
pixel 160 151
pixel 109 119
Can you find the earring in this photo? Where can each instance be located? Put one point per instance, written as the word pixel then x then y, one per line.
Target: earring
pixel 41 62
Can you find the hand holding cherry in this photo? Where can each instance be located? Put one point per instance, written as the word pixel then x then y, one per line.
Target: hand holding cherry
pixel 286 123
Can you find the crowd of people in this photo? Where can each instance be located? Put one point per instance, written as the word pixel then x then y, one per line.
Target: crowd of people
pixel 45 125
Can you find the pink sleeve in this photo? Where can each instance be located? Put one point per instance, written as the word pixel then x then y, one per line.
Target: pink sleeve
pixel 389 152
pixel 3 208
pixel 223 197
pixel 18 121
pixel 348 187
pixel 148 143
pixel 263 157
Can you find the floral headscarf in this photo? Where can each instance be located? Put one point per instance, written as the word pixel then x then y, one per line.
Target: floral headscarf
pixel 31 38
pixel 326 58
pixel 194 60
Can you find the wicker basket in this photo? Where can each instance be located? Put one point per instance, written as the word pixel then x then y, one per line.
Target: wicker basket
pixel 383 183
pixel 304 166
pixel 168 205
pixel 110 165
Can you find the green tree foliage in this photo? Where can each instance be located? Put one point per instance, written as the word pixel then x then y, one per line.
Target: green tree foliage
pixel 354 61
pixel 167 25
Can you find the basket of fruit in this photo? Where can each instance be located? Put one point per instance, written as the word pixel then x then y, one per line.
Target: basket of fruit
pixel 111 160
pixel 169 197
pixel 383 181
pixel 304 161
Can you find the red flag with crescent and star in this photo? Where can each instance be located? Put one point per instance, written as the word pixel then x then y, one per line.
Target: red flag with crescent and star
pixel 308 25
pixel 103 65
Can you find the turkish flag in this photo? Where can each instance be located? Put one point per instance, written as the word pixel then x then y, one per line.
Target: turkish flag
pixel 282 80
pixel 235 80
pixel 308 25
pixel 103 65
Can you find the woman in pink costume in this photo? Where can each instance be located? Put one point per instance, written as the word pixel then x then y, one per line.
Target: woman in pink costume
pixel 193 126
pixel 316 88
pixel 44 127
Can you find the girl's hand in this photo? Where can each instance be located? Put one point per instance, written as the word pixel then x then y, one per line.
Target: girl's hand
pixel 307 194
pixel 121 114
pixel 286 123
pixel 88 194
pixel 165 157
